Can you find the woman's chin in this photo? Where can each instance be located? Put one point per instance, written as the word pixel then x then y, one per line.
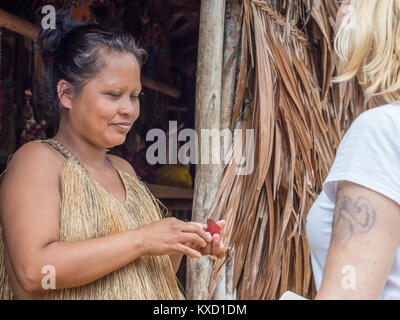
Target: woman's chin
pixel 117 140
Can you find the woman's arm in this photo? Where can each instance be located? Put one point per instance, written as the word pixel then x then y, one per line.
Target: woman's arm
pixel 30 209
pixel 81 262
pixel 365 238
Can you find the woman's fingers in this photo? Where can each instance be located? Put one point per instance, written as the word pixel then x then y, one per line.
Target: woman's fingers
pixel 188 251
pixel 195 239
pixel 217 247
pixel 215 244
pixel 222 251
pixel 206 250
pixel 198 228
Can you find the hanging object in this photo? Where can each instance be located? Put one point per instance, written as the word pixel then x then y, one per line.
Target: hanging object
pixel 27 113
pixel 32 130
pixel 145 18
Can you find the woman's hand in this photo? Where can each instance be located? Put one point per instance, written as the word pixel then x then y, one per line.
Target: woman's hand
pixel 215 247
pixel 172 236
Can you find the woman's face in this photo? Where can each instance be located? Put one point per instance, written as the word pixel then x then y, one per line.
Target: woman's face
pixel 108 105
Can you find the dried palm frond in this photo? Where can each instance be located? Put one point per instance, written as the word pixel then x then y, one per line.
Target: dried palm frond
pixel 284 93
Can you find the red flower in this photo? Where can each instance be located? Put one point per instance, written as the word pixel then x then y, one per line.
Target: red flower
pixel 213 228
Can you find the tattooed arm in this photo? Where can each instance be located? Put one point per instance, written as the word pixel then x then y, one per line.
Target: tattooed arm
pixel 365 237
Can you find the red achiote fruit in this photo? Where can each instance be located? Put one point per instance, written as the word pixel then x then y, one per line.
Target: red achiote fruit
pixel 213 228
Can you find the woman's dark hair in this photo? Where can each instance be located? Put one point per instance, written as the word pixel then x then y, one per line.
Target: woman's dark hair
pixel 73 52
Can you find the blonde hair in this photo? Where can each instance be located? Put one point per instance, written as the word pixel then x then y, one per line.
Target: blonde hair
pixel 368 46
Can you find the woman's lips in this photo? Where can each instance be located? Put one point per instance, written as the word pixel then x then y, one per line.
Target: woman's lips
pixel 122 126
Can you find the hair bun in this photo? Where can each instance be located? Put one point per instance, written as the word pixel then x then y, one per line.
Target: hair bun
pixel 49 39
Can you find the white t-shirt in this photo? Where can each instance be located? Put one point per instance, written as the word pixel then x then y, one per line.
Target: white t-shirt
pixel 369 155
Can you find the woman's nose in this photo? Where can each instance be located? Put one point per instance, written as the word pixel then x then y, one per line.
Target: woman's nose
pixel 129 106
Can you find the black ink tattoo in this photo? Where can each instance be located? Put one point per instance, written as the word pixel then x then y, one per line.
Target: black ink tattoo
pixel 352 216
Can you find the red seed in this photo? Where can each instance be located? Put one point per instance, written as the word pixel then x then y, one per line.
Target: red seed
pixel 213 228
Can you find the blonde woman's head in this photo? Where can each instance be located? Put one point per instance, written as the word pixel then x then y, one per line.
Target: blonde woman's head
pixel 368 46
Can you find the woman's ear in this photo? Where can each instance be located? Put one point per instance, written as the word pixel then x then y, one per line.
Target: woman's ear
pixel 64 94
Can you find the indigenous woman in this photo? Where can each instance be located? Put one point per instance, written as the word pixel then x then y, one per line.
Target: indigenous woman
pixel 71 211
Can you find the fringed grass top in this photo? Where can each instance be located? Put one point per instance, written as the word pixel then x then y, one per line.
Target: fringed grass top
pixel 89 211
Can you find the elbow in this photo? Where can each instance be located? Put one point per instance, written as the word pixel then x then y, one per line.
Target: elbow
pixel 27 281
pixel 32 280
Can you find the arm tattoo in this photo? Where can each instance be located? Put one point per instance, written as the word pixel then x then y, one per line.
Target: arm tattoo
pixel 354 215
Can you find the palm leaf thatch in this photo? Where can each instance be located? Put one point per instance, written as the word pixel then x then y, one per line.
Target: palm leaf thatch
pixel 285 94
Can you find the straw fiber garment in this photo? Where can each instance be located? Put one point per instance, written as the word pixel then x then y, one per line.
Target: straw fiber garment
pixel 89 211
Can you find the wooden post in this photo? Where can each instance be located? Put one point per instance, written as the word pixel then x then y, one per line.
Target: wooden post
pixel 224 289
pixel 231 48
pixel 207 116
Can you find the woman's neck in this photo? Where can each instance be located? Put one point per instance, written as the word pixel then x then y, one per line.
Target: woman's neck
pixel 88 154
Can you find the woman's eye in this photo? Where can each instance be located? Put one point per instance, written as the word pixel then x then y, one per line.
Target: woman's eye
pixel 137 96
pixel 117 95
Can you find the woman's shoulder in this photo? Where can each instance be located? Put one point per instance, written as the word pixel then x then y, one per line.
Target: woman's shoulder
pixel 122 164
pixel 380 122
pixel 33 161
pixel 371 140
pixel 380 115
pixel 37 153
